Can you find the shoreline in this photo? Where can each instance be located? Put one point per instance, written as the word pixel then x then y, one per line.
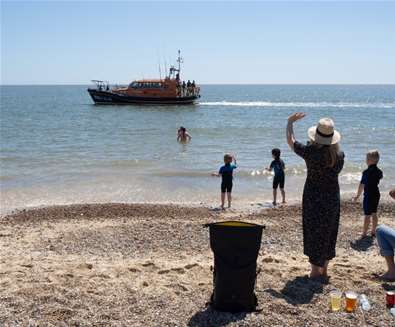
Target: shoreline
pixel 129 264
pixel 243 207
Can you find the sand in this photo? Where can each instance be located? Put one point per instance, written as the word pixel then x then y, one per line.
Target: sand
pixel 149 265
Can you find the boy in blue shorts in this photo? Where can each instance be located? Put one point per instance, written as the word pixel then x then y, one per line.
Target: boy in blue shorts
pixel 226 172
pixel 279 177
pixel 370 186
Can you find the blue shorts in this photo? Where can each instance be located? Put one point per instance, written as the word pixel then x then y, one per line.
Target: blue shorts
pixel 370 203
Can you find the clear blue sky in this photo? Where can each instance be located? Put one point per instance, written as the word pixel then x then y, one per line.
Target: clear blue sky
pixel 237 42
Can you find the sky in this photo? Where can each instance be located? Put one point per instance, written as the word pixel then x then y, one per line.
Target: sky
pixel 73 42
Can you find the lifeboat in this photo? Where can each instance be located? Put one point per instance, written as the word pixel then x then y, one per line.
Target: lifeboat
pixel 168 91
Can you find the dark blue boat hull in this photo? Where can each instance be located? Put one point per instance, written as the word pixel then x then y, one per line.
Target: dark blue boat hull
pixel 108 97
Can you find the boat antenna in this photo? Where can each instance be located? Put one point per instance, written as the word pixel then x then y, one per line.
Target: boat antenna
pixel 158 57
pixel 165 65
pixel 160 70
pixel 179 60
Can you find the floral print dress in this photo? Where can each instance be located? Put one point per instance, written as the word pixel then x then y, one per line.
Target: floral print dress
pixel 321 203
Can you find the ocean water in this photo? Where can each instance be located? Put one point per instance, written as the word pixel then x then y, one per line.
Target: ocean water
pixel 57 147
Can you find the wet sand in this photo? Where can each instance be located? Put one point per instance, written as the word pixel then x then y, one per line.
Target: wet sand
pixel 149 265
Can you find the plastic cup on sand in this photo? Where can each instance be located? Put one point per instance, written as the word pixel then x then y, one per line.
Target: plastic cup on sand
pixel 336 300
pixel 351 301
pixel 390 299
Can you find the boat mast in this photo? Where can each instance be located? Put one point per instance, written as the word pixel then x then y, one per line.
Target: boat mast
pixel 179 60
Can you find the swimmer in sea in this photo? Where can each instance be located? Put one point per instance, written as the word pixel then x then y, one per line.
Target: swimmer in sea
pixel 183 136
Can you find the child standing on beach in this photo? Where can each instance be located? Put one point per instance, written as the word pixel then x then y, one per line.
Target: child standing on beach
pixel 226 172
pixel 371 196
pixel 279 177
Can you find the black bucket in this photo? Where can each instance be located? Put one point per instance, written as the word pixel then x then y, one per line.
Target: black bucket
pixel 236 246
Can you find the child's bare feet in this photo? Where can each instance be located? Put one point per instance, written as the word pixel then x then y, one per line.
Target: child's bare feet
pixel 274 203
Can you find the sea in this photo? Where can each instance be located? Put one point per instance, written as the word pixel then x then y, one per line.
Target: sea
pixel 57 147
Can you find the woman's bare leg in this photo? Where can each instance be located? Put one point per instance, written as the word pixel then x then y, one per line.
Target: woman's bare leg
pixel 324 270
pixel 315 271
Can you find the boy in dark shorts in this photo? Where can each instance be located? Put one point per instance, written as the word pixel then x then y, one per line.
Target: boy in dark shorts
pixel 370 186
pixel 226 172
pixel 279 177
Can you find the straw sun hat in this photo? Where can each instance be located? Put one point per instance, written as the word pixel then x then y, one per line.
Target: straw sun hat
pixel 324 133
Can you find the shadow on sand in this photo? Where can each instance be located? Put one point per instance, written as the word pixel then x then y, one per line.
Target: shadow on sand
pixel 388 287
pixel 362 244
pixel 300 290
pixel 210 317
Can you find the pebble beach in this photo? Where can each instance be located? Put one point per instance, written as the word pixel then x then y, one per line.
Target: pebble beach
pixel 149 265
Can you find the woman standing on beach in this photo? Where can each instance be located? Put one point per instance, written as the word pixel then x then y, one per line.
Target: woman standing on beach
pixel 321 194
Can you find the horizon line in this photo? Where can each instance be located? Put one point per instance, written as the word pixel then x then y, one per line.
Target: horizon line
pixel 268 84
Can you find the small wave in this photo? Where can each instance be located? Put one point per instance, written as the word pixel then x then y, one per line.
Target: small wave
pixel 129 163
pixel 6 178
pixel 350 178
pixel 300 104
pixel 201 173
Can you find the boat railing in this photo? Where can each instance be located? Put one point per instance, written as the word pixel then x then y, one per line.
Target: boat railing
pixel 188 91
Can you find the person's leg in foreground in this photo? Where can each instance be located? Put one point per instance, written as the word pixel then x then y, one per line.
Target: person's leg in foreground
pixel 386 241
pixel 223 200
pixel 324 270
pixel 315 271
pixel 283 194
pixel 282 182
pixel 274 196
pixel 275 186
pixel 366 224
pixel 229 199
pixel 374 224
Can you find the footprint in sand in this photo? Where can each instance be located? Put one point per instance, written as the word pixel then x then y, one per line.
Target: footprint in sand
pixel 270 259
pixel 179 270
pixel 178 287
pixel 164 271
pixel 342 265
pixel 131 269
pixel 85 266
pixel 267 259
pixel 191 265
pixel 148 264
pixel 26 265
